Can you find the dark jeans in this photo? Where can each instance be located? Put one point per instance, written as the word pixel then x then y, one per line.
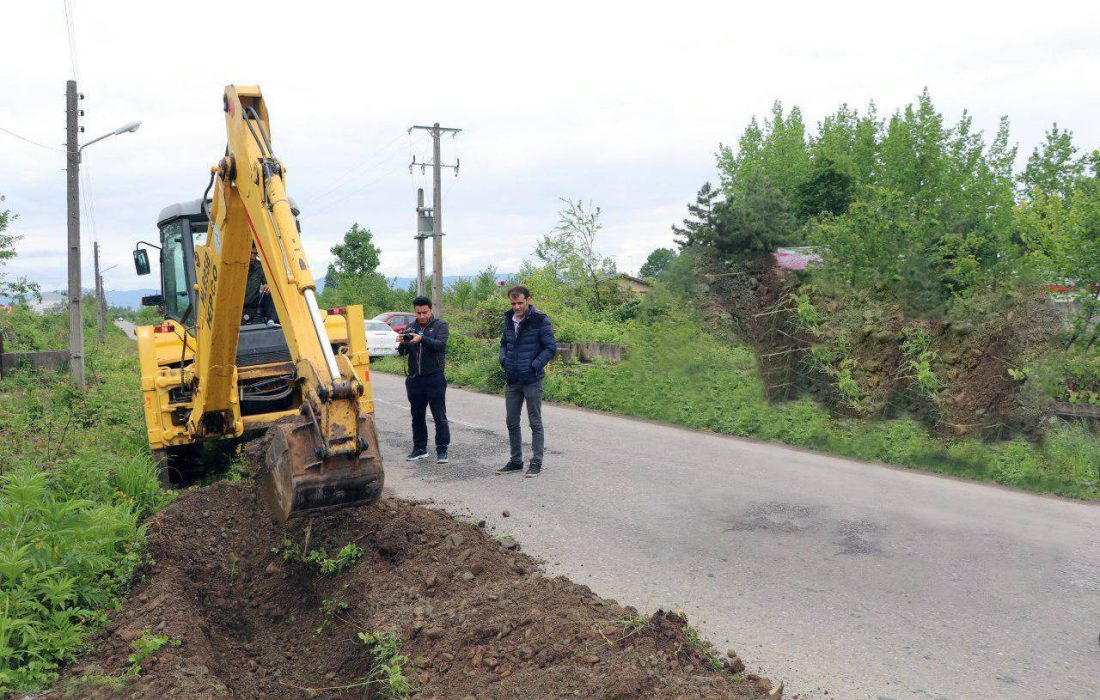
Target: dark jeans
pixel 425 392
pixel 515 395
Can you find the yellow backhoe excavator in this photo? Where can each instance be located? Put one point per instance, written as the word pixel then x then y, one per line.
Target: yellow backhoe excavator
pixel 216 367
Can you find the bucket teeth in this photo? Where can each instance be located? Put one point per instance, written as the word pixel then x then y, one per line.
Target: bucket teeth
pixel 294 480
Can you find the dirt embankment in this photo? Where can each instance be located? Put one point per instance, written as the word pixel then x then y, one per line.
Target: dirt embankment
pixel 473 616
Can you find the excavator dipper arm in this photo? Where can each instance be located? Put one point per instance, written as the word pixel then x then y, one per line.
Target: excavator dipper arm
pixel 326 456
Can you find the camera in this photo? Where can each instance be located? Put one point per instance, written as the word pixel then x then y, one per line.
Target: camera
pixel 407 337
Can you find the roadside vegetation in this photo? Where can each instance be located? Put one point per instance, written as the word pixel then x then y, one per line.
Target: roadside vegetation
pixel 923 333
pixel 76 482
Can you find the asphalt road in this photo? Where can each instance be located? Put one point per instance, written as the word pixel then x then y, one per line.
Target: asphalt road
pixel 128 328
pixel 828 574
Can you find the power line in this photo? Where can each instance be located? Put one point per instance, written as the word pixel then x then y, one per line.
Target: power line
pixel 33 143
pixel 70 27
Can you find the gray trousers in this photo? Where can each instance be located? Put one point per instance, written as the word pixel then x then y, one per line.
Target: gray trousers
pixel 514 397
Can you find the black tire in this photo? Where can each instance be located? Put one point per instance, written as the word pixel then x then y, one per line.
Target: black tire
pixel 178 463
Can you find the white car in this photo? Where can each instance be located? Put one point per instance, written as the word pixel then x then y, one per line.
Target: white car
pixel 381 340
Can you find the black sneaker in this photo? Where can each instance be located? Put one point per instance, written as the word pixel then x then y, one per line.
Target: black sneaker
pixel 417 454
pixel 441 455
pixel 534 470
pixel 510 468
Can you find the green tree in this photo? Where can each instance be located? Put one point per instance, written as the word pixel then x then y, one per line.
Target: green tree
pixel 657 261
pixel 356 256
pixel 702 220
pixel 829 190
pixel 353 278
pixel 18 288
pixel 570 252
pixel 752 226
pixel 1053 166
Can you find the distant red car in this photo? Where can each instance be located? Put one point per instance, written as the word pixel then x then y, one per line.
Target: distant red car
pixel 397 320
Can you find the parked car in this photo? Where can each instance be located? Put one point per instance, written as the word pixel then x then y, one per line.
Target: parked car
pixel 381 340
pixel 397 320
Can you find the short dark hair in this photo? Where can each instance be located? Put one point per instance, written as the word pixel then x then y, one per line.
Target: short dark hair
pixel 517 290
pixel 421 301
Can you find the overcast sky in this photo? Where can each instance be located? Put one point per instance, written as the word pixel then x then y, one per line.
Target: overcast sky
pixel 623 104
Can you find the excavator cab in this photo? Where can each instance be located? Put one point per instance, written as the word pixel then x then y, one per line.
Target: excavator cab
pixel 221 365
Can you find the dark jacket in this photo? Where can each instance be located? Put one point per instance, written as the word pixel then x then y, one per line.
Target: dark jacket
pixel 427 356
pixel 524 356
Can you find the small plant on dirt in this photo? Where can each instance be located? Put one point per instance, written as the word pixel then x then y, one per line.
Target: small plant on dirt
pixel 506 537
pixel 348 555
pixel 112 683
pixel 696 641
pixel 387 665
pixel 330 609
pixel 288 549
pixel 920 356
pixel 631 625
pixel 145 646
pixel 847 385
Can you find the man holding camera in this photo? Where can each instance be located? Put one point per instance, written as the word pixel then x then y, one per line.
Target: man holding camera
pixel 424 346
pixel 526 346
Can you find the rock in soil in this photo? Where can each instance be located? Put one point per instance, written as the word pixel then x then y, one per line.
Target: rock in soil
pixel 253 625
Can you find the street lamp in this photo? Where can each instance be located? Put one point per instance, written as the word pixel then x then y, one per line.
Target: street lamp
pixel 130 127
pixel 73 152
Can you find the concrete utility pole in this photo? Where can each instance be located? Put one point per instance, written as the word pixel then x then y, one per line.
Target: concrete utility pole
pixel 423 230
pixel 99 310
pixel 72 169
pixel 437 212
pixel 76 328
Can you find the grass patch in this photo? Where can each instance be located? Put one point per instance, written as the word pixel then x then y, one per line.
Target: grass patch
pixel 76 481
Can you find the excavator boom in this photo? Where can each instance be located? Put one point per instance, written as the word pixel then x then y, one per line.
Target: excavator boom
pixel 323 452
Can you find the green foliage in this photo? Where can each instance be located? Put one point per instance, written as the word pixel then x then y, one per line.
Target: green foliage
pixel 920 356
pixel 387 665
pixel 657 261
pixel 353 278
pixel 145 646
pixel 290 550
pixel 570 254
pixel 331 609
pixel 77 479
pixel 19 289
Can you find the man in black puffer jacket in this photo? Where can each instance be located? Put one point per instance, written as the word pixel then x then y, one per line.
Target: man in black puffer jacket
pixel 424 346
pixel 526 346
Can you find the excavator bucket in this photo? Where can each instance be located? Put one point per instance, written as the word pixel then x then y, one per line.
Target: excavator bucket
pixel 295 479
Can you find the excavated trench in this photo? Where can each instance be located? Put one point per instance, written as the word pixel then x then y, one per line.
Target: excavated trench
pixel 473 615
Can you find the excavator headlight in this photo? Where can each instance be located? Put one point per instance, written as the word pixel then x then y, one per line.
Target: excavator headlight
pixel 165 328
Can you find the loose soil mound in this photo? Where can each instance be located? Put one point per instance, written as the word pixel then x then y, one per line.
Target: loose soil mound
pixel 474 617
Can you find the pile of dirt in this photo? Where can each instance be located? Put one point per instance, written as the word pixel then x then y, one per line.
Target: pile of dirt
pixel 471 613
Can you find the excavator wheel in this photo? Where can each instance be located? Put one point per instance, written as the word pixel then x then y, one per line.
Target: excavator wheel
pixel 296 479
pixel 177 463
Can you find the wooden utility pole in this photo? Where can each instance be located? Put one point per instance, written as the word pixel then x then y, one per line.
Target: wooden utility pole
pixel 437 212
pixel 76 327
pixel 99 309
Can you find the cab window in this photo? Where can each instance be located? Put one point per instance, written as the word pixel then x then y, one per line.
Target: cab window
pixel 173 271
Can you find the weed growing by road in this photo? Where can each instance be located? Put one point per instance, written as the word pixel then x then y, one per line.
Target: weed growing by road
pixel 696 641
pixel 387 665
pixel 145 646
pixel 631 625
